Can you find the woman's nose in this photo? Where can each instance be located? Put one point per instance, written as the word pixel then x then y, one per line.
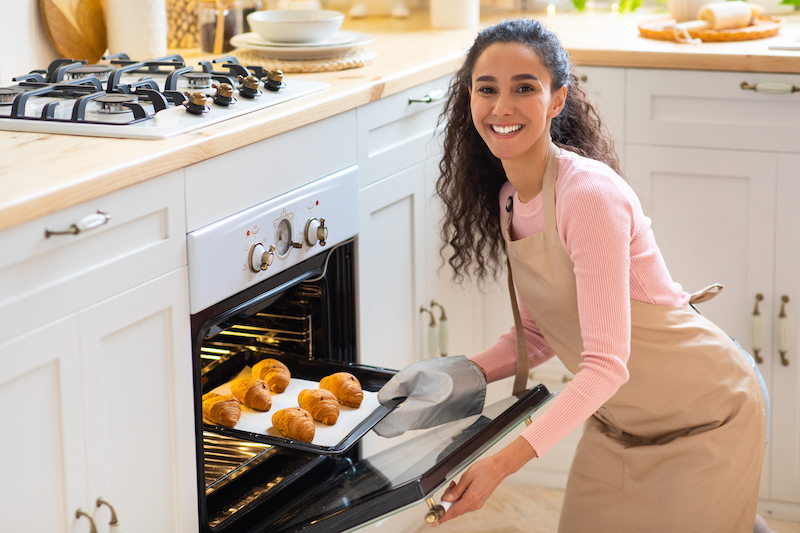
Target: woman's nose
pixel 503 106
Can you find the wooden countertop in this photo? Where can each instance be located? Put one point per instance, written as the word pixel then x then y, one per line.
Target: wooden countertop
pixel 42 173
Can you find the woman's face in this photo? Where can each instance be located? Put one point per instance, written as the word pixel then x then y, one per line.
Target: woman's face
pixel 511 100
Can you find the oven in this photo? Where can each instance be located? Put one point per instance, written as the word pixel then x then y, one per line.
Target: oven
pixel 279 281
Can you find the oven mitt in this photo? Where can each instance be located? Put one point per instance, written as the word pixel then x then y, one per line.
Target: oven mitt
pixel 437 391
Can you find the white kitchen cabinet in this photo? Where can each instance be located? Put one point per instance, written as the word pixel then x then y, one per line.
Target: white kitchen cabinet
pixel 43 279
pixel 43 446
pixel 101 406
pixel 785 379
pixel 136 363
pixel 716 167
pixel 391 247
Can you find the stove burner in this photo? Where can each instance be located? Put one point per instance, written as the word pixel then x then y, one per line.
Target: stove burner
pixel 198 80
pixel 8 94
pixel 112 104
pixel 102 72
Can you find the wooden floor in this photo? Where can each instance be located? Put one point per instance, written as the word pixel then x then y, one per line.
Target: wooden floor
pixel 517 508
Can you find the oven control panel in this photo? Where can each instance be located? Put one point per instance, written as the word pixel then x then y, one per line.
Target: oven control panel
pixel 228 256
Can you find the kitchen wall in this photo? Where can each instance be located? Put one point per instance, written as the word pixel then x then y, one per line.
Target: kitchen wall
pixel 24 45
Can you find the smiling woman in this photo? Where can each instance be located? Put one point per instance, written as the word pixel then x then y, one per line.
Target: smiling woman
pixel 673 412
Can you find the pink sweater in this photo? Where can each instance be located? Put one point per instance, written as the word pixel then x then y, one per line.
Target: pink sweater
pixel 616 259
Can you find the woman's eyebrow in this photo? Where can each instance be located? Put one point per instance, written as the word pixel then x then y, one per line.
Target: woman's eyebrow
pixel 516 77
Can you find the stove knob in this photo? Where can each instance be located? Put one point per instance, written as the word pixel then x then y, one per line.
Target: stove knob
pixel 261 258
pixel 316 231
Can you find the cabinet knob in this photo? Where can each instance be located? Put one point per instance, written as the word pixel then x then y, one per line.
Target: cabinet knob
pixel 757 330
pixel 783 331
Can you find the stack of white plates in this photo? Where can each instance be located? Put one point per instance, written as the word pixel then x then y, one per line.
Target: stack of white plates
pixel 337 45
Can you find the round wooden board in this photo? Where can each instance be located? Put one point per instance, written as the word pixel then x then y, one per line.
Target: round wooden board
pixel 762 27
pixel 77 28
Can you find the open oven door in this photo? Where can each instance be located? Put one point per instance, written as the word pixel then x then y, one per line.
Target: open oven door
pixel 341 494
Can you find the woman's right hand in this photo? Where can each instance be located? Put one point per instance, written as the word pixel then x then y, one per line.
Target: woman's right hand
pixel 483 477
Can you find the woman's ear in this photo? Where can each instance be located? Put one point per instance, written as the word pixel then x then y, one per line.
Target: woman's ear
pixel 558 100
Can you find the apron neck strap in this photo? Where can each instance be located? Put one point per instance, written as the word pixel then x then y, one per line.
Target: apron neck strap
pixel 548 197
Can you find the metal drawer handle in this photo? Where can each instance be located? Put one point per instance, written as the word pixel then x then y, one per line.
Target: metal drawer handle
pixel 113 524
pixel 85 224
pixel 783 332
pixel 770 88
pixel 80 512
pixel 444 338
pixel 758 331
pixel 434 96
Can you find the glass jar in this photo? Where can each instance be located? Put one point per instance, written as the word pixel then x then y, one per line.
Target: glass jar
pixel 233 13
pixel 182 24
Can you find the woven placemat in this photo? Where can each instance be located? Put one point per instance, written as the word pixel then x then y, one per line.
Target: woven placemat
pixel 357 57
pixel 763 26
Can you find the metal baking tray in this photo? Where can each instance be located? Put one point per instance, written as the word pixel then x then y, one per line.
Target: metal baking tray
pixel 329 440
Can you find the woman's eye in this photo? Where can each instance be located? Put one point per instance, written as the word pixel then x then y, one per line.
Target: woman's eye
pixel 526 89
pixel 486 90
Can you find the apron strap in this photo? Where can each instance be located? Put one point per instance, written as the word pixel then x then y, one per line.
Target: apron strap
pixel 548 197
pixel 706 294
pixel 521 379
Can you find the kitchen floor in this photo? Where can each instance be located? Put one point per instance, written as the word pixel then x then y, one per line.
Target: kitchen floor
pixel 515 508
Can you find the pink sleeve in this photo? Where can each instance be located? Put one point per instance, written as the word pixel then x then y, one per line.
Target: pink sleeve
pixel 500 360
pixel 596 223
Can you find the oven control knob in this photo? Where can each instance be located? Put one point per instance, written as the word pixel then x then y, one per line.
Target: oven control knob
pixel 316 231
pixel 261 258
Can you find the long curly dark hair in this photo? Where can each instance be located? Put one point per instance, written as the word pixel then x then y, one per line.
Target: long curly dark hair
pixel 471 176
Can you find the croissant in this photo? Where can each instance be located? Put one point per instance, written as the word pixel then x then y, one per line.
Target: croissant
pixel 294 423
pixel 274 373
pixel 321 403
pixel 252 392
pixel 223 410
pixel 345 387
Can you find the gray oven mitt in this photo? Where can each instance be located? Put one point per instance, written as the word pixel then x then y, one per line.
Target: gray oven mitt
pixel 437 391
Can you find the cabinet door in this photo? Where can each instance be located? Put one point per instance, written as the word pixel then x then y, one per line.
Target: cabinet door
pixel 136 361
pixel 785 438
pixel 607 87
pixel 390 263
pixel 713 216
pixel 42 454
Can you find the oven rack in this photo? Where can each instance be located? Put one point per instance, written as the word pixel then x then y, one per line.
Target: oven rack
pixel 227 458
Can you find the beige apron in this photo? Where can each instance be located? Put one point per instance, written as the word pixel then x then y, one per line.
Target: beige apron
pixel 679 447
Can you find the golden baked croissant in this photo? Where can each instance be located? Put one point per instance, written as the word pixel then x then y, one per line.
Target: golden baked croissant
pixel 252 392
pixel 321 403
pixel 294 423
pixel 345 387
pixel 224 410
pixel 274 373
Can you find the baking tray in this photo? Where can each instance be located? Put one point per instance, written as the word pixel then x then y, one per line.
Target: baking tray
pixel 328 440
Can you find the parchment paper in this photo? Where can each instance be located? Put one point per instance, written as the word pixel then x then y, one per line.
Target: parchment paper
pixel 261 422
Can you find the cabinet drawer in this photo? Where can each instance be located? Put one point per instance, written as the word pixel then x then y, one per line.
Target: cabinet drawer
pixel 395 133
pixel 233 182
pixel 710 109
pixel 42 278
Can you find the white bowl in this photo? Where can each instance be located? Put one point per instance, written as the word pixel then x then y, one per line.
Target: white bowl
pixel 295 25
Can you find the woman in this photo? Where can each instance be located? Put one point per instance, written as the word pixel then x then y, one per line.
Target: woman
pixel 673 410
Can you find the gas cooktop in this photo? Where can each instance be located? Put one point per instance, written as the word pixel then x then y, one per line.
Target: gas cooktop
pixel 152 99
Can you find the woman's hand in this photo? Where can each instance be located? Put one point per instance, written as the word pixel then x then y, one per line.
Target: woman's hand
pixel 480 479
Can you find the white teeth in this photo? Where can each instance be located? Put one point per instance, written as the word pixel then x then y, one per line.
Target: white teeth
pixel 506 130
